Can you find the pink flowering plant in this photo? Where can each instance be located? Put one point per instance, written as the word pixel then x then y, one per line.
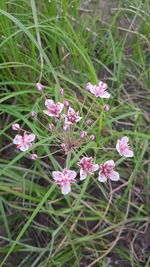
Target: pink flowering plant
pixel 72 131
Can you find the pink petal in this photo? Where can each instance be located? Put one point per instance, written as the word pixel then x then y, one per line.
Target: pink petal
pixel 60 105
pixel 30 137
pixel 93 89
pixel 49 113
pixel 118 146
pixel 83 174
pixel 49 103
pixel 25 147
pixel 124 140
pixel 114 176
pixel 71 110
pixel 102 178
pixel 110 162
pixel 105 95
pixel 57 175
pixel 95 167
pixel 101 84
pixel 18 140
pixel 71 174
pixel 78 119
pixel 65 188
pixel 128 153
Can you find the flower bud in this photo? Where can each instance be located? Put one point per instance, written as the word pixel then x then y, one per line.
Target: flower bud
pixel 34 156
pixel 83 134
pixel 92 137
pixel 16 127
pixel 106 107
pixel 65 127
pixel 51 127
pixel 39 87
pixel 33 113
pixel 66 103
pixel 88 122
pixel 62 91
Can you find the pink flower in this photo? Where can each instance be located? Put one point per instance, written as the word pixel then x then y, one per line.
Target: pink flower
pixel 72 117
pixel 53 108
pixel 39 87
pixel 107 172
pixel 64 179
pixel 83 134
pixel 123 148
pixel 87 166
pixel 99 90
pixel 34 156
pixel 92 137
pixel 16 127
pixel 24 142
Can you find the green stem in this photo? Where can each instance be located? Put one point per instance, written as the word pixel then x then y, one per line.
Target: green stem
pixel 100 122
pixel 68 160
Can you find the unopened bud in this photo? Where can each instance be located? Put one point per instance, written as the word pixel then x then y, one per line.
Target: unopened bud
pixel 65 127
pixel 51 127
pixel 62 91
pixel 34 156
pixel 88 122
pixel 83 134
pixel 39 87
pixel 92 137
pixel 33 113
pixel 106 107
pixel 66 103
pixel 16 127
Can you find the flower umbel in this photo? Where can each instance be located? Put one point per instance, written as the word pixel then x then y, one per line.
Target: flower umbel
pixel 24 142
pixel 87 166
pixel 107 172
pixel 64 179
pixel 123 147
pixel 53 108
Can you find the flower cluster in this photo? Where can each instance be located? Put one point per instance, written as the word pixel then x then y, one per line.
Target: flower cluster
pixel 68 119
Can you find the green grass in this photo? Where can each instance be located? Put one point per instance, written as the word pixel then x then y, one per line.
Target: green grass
pixel 65 44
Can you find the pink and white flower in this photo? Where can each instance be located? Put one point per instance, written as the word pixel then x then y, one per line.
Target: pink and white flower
pixel 24 142
pixel 107 172
pixel 64 179
pixel 123 147
pixel 72 117
pixel 87 166
pixel 99 90
pixel 53 108
pixel 16 127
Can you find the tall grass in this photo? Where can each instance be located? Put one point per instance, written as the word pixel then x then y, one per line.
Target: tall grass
pixel 64 44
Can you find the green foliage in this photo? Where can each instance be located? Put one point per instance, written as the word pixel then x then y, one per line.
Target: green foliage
pixel 65 44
